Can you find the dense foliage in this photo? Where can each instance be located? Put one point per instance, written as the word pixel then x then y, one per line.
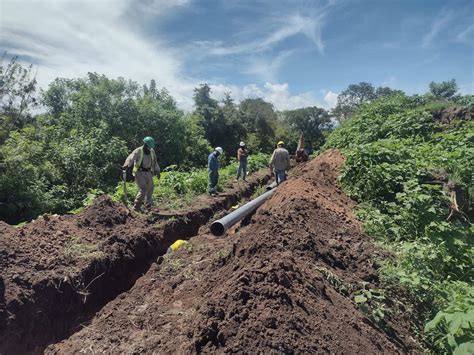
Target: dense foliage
pixel 58 146
pixel 413 177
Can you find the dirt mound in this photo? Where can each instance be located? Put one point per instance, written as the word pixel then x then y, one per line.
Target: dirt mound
pixel 281 284
pixel 104 213
pixel 57 271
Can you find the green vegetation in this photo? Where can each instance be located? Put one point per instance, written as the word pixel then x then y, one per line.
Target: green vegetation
pixel 68 142
pixel 76 248
pixel 411 173
pixel 413 177
pixel 176 189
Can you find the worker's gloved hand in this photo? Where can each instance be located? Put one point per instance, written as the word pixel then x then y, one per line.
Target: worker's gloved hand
pixel 124 174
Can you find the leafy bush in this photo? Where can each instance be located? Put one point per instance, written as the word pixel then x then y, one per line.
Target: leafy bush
pixel 404 167
pixel 452 329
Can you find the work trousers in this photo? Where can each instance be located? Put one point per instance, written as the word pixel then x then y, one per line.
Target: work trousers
pixel 242 169
pixel 213 180
pixel 280 176
pixel 144 181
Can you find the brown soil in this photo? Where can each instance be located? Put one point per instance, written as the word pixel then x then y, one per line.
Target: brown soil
pixel 57 271
pixel 283 283
pixel 451 114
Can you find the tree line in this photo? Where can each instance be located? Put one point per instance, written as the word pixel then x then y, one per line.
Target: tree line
pixel 57 144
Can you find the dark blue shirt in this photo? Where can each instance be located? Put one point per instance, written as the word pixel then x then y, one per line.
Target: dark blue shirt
pixel 212 162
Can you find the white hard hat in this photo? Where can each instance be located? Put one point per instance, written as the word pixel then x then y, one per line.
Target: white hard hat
pixel 220 150
pixel 242 144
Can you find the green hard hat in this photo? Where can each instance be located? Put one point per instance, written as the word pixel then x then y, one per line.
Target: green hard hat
pixel 149 141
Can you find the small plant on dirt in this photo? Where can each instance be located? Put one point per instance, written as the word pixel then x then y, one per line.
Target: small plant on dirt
pixel 372 303
pixel 19 225
pixel 172 263
pixel 223 254
pixel 172 219
pixel 340 286
pixel 188 274
pixel 188 247
pixel 79 249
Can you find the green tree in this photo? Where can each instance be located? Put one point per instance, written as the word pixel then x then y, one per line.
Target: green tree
pixel 197 147
pixel 220 122
pixel 259 120
pixel 234 131
pixel 80 143
pixel 445 90
pixel 17 96
pixel 349 100
pixel 311 122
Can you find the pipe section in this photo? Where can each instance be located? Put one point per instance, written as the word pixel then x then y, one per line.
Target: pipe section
pixel 221 226
pixel 272 186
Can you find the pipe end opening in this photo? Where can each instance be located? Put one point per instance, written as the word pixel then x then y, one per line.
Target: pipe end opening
pixel 217 228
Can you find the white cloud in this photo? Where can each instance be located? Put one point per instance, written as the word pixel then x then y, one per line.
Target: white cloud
pixel 157 7
pixel 278 94
pixel 286 27
pixel 437 25
pixel 70 38
pixel 264 69
pixel 331 99
pixel 466 35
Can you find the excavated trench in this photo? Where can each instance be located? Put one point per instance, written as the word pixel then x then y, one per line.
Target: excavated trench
pixel 284 283
pixel 50 288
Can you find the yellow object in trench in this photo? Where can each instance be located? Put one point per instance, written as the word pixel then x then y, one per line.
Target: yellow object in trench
pixel 176 245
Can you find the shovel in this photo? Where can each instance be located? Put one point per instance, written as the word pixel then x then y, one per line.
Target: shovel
pixel 124 178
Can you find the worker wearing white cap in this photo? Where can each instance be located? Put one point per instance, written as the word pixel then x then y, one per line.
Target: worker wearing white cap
pixel 242 154
pixel 213 170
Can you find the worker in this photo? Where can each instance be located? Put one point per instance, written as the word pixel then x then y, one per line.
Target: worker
pixel 144 162
pixel 242 160
pixel 213 170
pixel 280 162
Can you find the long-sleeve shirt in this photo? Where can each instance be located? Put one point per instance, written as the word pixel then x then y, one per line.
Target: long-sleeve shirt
pixel 146 161
pixel 242 155
pixel 280 159
pixel 212 162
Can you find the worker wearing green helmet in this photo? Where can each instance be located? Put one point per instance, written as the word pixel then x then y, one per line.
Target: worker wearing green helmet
pixel 144 163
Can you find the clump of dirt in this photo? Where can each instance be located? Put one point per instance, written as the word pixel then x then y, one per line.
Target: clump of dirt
pixel 451 114
pixel 281 284
pixel 104 213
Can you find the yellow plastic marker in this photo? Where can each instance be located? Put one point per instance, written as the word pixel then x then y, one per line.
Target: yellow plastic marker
pixel 176 245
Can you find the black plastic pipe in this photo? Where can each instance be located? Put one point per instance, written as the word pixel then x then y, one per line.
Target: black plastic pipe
pixel 221 226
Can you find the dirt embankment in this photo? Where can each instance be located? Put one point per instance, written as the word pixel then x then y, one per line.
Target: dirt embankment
pixel 281 284
pixel 57 271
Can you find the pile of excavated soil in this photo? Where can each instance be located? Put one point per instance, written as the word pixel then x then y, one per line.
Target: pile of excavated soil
pixel 56 271
pixel 283 283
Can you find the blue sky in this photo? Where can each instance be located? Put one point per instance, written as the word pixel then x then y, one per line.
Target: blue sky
pixel 292 53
